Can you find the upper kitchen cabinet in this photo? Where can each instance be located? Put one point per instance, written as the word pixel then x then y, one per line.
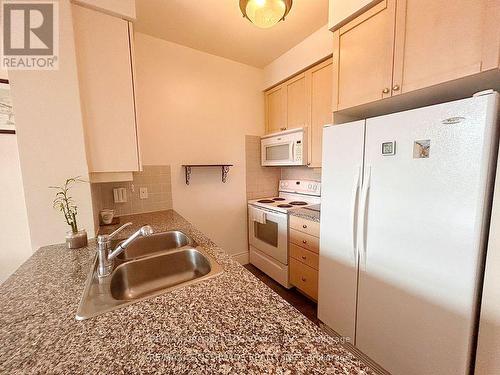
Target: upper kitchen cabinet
pixel 297 102
pixel 321 108
pixel 440 40
pixel 287 105
pixel 400 46
pixel 120 8
pixel 362 56
pixel 275 103
pixel 105 68
pixel 342 11
pixel 303 101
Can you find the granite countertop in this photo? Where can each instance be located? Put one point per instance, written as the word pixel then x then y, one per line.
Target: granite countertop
pixel 232 323
pixel 309 213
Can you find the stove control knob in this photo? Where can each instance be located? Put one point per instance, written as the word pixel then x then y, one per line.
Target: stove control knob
pixel 310 186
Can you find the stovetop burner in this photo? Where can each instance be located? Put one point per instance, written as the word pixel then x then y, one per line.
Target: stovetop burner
pixel 298 203
pixel 285 205
pixel 266 201
pixel 278 199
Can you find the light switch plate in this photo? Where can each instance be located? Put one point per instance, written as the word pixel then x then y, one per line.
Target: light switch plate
pixel 120 195
pixel 143 193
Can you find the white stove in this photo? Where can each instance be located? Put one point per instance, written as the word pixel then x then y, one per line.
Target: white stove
pixel 268 225
pixel 293 194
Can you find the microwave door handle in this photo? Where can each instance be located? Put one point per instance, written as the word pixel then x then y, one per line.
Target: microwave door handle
pixel 293 152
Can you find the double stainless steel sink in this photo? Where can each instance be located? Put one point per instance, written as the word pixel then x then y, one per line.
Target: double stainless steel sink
pixel 150 266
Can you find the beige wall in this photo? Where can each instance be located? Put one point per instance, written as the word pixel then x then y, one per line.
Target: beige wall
pixel 14 237
pixel 15 243
pixel 50 138
pixel 196 108
pixel 314 48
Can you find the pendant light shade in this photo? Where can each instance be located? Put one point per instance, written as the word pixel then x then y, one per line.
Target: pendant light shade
pixel 265 13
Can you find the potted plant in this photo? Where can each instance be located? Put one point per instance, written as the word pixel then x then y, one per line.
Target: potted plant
pixel 75 238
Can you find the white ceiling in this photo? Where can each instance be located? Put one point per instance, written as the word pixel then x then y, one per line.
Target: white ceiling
pixel 218 27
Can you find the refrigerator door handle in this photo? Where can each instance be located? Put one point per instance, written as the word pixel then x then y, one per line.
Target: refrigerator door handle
pixel 354 212
pixel 364 215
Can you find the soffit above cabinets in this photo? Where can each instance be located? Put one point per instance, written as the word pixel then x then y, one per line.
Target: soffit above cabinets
pixel 217 27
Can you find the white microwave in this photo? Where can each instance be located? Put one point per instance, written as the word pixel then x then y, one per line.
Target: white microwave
pixel 286 148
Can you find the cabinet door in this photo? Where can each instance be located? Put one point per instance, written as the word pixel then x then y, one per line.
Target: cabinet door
pixel 297 102
pixel 106 89
pixel 321 108
pixel 275 109
pixel 341 11
pixel 304 278
pixel 437 41
pixel 363 57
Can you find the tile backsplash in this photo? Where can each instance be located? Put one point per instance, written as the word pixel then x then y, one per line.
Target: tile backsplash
pixel 301 173
pixel 155 178
pixel 261 181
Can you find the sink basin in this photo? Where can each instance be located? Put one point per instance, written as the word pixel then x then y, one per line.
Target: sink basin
pixel 139 278
pixel 154 244
pixel 148 269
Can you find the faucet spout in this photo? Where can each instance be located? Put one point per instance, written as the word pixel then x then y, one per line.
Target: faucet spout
pixel 104 242
pixel 145 231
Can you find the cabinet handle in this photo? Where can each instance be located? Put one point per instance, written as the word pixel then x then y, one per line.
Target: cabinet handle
pixel 304 226
pixel 303 279
pixel 304 241
pixel 385 91
pixel 395 88
pixel 304 257
pixel 282 128
pixel 308 164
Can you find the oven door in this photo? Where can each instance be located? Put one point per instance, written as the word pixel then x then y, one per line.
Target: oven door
pixel 269 233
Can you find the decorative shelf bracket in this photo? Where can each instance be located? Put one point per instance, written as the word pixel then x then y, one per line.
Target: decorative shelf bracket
pixel 224 169
pixel 188 173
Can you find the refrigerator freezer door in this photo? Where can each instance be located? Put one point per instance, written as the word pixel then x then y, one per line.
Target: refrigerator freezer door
pixel 341 175
pixel 425 225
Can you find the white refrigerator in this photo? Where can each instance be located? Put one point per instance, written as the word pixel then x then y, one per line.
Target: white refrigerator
pixel 405 210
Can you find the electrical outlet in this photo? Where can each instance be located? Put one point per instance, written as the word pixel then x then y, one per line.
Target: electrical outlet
pixel 143 193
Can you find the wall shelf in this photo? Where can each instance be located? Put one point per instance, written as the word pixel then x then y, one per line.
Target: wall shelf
pixel 224 169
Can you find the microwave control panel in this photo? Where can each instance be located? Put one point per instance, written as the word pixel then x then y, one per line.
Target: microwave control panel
pixel 298 151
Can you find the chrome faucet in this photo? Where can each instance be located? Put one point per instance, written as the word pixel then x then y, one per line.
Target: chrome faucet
pixel 104 246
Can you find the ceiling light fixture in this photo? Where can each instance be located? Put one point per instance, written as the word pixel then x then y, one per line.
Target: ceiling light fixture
pixel 265 13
